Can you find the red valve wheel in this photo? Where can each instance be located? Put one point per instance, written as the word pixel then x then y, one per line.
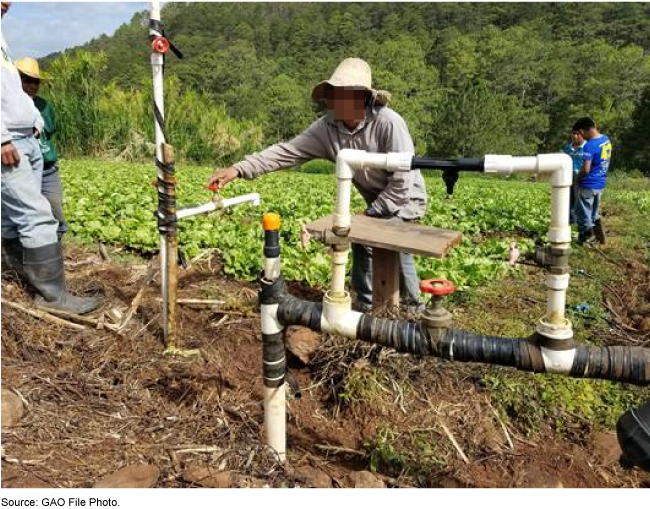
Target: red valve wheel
pixel 160 45
pixel 437 287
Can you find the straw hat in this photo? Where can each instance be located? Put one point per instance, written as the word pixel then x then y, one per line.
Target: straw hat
pixel 351 73
pixel 29 67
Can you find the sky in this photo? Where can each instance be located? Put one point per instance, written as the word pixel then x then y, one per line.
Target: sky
pixel 36 29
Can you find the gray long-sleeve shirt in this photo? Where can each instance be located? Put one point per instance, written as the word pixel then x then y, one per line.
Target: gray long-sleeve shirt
pixel 19 115
pixel 401 194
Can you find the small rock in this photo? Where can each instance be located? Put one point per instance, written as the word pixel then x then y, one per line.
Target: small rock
pixel 208 477
pixel 12 408
pixel 134 476
pixel 365 479
pixel 313 477
pixel 606 448
pixel 302 342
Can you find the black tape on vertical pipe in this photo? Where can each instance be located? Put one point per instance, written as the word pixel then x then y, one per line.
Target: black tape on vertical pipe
pixel 271 292
pixel 271 243
pixel 275 364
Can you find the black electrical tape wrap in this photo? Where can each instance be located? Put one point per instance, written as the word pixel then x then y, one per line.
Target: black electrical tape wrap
pixel 275 364
pixel 466 346
pixel 621 363
pixel 403 336
pixel 167 222
pixel 429 163
pixel 271 292
pixel 292 311
pixel 271 243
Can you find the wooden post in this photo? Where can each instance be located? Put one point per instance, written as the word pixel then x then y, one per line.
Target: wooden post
pixel 171 258
pixel 385 277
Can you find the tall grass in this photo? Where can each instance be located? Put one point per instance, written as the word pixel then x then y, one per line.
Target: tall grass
pixel 101 120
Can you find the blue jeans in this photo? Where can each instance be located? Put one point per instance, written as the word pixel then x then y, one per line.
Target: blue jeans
pixel 26 213
pixel 362 275
pixel 573 217
pixel 52 189
pixel 587 208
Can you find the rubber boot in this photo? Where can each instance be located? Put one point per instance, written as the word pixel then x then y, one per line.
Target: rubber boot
pixel 45 272
pixel 599 232
pixel 12 259
pixel 582 238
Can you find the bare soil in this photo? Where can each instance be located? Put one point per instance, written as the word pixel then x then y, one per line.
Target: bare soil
pixel 97 401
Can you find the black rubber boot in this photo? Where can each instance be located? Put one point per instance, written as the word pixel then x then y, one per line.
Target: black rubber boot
pixel 12 259
pixel 587 235
pixel 45 272
pixel 599 232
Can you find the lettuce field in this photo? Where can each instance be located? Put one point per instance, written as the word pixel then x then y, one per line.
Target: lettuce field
pixel 114 203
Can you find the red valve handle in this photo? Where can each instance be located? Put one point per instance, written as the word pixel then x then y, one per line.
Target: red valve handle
pixel 214 187
pixel 160 45
pixel 437 287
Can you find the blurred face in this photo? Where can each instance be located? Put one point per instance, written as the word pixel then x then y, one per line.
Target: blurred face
pixel 577 138
pixel 347 105
pixel 5 7
pixel 30 85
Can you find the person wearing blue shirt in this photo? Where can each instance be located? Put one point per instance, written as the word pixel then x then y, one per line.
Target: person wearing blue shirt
pixel 597 154
pixel 575 149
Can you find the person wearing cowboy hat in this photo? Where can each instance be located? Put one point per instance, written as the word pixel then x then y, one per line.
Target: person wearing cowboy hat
pixel 52 188
pixel 30 246
pixel 357 118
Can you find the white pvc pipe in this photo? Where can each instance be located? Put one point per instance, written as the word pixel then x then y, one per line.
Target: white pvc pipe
pixel 558 361
pixel 223 203
pixel 347 161
pixel 339 265
pixel 158 97
pixel 560 167
pixel 342 216
pixel 338 318
pixel 275 418
pixel 272 267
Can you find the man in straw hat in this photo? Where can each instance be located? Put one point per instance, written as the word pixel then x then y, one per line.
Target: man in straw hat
pixel 30 246
pixel 52 189
pixel 357 118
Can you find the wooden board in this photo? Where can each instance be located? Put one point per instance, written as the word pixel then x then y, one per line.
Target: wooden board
pixel 385 277
pixel 395 235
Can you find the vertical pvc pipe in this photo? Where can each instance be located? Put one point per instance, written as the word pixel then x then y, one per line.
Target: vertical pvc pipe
pixel 273 350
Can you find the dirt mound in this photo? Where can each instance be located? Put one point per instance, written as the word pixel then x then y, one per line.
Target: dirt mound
pixel 96 401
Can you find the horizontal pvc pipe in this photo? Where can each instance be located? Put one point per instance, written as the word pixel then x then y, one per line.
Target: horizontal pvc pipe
pixel 618 363
pixel 194 210
pixel 254 198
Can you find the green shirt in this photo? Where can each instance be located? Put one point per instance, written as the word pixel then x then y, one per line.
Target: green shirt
pixel 45 141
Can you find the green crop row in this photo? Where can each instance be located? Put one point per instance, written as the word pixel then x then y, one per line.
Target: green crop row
pixel 115 203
